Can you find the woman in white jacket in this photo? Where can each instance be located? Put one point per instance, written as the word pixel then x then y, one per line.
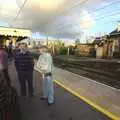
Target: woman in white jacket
pixel 45 65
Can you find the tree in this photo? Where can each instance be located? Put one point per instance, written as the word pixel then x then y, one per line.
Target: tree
pixel 77 42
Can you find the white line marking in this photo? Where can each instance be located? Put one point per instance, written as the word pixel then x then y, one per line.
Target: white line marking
pixel 92 80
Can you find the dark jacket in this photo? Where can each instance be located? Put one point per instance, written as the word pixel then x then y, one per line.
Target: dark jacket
pixel 24 62
pixel 4 59
pixel 9 103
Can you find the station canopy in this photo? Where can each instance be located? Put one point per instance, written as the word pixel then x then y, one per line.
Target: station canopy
pixel 55 18
pixel 4 31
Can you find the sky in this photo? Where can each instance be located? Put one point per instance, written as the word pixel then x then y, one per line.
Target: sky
pixel 61 19
pixel 104 23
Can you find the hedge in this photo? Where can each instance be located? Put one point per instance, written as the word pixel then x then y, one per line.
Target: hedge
pixel 35 55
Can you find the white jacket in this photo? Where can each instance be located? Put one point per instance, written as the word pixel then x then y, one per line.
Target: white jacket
pixel 45 63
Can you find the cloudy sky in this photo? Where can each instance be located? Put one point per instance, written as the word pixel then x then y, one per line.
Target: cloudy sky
pixel 67 19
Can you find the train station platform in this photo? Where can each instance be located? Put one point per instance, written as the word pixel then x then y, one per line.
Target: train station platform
pixel 69 104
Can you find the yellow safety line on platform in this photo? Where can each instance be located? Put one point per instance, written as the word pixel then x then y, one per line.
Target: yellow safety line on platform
pixel 94 105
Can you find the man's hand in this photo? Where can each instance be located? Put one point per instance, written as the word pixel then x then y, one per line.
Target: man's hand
pixel 42 71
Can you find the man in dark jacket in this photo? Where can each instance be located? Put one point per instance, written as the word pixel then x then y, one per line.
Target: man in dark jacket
pixel 24 63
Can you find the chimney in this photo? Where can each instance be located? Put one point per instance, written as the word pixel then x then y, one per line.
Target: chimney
pixel 118 26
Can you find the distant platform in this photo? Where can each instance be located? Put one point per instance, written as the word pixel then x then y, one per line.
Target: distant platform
pixel 76 58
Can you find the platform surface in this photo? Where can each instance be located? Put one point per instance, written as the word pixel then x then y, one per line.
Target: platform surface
pixel 66 107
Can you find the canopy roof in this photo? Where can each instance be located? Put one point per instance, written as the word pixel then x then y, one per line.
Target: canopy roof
pixel 4 31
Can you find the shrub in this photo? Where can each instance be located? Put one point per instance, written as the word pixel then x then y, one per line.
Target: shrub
pixel 35 55
pixel 63 51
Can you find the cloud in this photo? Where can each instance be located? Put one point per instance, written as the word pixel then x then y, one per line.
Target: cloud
pixel 87 20
pixel 47 5
pixel 7 10
pixel 59 18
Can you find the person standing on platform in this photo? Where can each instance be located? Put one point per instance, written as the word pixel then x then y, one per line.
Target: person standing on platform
pixel 16 50
pixel 24 63
pixel 45 65
pixel 4 63
pixel 9 103
pixel 10 51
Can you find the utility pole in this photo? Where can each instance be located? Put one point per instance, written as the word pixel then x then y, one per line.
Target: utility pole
pixel 53 47
pixel 47 40
pixel 68 51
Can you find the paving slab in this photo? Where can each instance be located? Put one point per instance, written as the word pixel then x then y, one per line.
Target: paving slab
pixel 105 96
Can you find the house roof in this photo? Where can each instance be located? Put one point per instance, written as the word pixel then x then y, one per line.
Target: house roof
pixel 115 32
pixel 97 40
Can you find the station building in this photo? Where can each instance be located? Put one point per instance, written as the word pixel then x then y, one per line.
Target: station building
pixel 13 35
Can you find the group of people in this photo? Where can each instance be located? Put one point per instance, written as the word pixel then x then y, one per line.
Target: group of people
pixel 24 64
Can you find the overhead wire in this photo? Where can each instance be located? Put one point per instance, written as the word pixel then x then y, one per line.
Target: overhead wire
pixel 76 24
pixel 66 11
pixel 19 11
pixel 83 2
pixel 103 17
pixel 95 10
pixel 88 21
pixel 98 9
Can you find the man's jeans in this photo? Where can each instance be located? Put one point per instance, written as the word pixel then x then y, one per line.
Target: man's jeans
pixel 26 76
pixel 48 88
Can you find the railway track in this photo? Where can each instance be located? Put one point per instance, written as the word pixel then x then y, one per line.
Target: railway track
pixel 108 78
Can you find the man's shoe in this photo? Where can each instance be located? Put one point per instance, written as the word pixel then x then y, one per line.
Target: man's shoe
pixel 43 98
pixel 50 104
